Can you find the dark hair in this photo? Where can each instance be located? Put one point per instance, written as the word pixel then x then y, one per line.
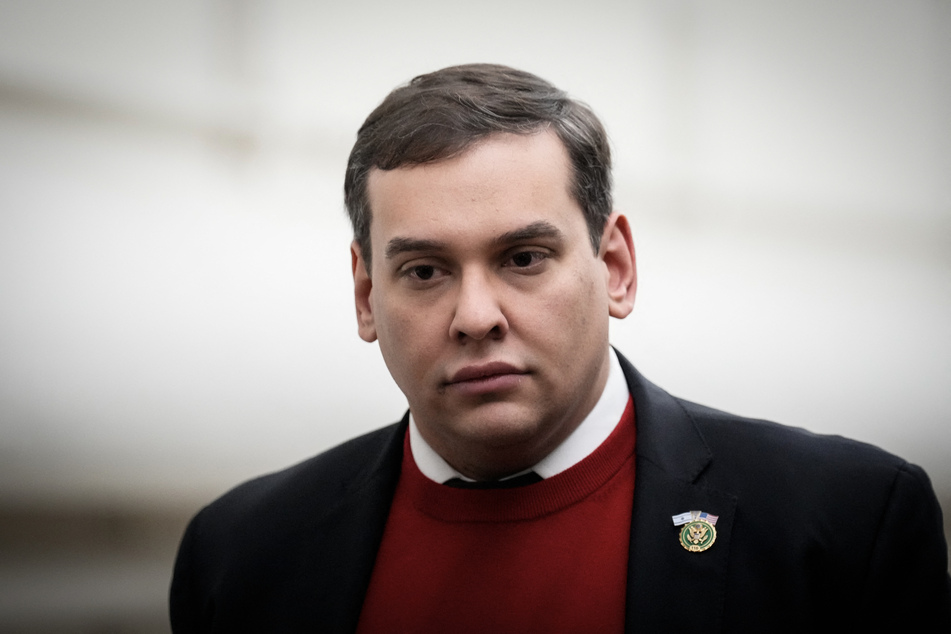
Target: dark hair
pixel 439 115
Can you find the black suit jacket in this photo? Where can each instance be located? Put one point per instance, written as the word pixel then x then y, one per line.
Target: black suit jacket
pixel 815 533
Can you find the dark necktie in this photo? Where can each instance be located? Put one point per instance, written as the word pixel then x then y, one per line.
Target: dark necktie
pixel 518 481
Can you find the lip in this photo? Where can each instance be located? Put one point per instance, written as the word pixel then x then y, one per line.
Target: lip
pixel 476 380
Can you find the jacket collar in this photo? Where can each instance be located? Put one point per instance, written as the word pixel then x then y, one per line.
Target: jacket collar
pixel 666 435
pixel 666 581
pixel 346 539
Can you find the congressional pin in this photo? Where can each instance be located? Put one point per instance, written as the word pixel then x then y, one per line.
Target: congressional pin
pixel 698 532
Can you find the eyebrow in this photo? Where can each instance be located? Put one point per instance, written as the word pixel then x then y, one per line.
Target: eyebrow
pixel 540 229
pixel 533 231
pixel 396 246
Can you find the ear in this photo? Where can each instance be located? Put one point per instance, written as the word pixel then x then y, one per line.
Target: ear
pixel 362 287
pixel 617 253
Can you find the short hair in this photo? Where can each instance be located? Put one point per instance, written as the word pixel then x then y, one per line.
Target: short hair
pixel 439 115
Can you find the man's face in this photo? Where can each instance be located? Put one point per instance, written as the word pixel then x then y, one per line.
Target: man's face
pixel 489 304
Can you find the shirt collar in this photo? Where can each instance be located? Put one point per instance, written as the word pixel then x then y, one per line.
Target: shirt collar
pixel 588 436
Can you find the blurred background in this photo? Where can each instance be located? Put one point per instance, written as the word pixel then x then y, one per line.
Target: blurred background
pixel 175 301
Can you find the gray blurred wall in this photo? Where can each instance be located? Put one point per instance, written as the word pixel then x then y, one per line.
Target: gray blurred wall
pixel 175 305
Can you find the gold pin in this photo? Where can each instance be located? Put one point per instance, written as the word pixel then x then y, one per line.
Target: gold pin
pixel 698 532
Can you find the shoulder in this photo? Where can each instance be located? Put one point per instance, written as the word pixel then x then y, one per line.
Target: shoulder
pixel 686 439
pixel 850 515
pixel 243 552
pixel 788 472
pixel 268 507
pixel 723 431
pixel 754 444
pixel 763 461
pixel 243 526
pixel 317 483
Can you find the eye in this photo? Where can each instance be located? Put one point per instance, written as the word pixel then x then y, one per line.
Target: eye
pixel 526 259
pixel 422 272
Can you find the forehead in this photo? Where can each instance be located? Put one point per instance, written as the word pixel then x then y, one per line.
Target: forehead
pixel 501 182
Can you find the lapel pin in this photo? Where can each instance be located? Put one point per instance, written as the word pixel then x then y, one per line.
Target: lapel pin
pixel 698 532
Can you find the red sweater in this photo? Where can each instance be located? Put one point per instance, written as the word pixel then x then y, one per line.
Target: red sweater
pixel 548 557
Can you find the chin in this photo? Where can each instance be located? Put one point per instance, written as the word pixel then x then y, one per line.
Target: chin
pixel 500 428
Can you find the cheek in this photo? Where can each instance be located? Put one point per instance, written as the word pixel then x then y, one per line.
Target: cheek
pixel 406 336
pixel 573 305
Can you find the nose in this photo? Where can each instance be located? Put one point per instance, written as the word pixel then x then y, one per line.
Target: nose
pixel 478 311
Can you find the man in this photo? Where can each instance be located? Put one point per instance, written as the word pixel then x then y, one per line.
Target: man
pixel 538 483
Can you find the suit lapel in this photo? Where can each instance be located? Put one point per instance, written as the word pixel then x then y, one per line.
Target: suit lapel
pixel 347 540
pixel 668 584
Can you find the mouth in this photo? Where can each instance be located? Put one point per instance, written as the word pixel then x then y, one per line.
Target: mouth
pixel 477 380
